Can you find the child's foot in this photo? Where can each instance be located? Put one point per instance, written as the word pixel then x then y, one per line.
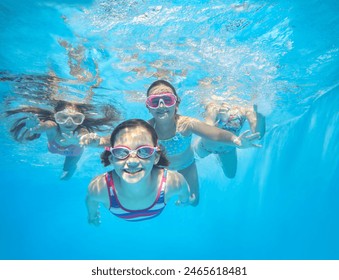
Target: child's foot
pixel 67 174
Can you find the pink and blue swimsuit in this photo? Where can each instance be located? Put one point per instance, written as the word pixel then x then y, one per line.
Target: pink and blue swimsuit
pixel 136 215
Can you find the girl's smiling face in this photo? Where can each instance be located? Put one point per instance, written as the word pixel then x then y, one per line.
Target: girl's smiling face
pixel 162 112
pixel 134 169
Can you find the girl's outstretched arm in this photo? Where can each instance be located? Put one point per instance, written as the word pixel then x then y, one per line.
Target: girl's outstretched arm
pixel 93 199
pixel 245 140
pixel 94 140
pixel 30 127
pixel 35 125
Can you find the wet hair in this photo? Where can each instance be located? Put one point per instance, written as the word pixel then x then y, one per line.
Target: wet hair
pixel 21 133
pixel 165 83
pixel 133 123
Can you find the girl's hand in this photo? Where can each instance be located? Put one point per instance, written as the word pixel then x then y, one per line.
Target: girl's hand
pixel 95 220
pixel 245 140
pixel 185 203
pixel 89 139
pixel 32 122
pixel 70 139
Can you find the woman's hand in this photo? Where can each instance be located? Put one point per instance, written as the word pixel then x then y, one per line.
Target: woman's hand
pixel 245 140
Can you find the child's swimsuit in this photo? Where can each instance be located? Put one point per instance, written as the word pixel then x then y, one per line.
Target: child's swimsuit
pixel 136 215
pixel 176 144
pixel 71 150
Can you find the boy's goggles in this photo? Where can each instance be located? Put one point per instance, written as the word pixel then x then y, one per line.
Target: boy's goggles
pixel 122 152
pixel 168 99
pixel 62 117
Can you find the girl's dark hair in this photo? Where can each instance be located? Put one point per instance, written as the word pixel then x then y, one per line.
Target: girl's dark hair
pixel 163 82
pixel 20 132
pixel 133 123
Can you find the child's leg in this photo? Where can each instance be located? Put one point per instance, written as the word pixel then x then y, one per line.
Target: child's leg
pixel 191 175
pixel 70 166
pixel 229 163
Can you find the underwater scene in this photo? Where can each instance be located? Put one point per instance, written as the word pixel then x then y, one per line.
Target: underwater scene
pixel 280 57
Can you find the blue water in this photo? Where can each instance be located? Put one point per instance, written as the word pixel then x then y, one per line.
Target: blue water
pixel 283 55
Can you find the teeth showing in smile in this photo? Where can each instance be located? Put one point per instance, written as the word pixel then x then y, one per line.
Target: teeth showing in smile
pixel 132 171
pixel 162 112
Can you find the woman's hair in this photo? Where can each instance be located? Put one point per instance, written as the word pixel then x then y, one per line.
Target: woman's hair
pixel 165 83
pixel 133 123
pixel 20 132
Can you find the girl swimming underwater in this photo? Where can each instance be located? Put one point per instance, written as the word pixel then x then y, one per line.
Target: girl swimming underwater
pixel 139 186
pixel 64 125
pixel 175 132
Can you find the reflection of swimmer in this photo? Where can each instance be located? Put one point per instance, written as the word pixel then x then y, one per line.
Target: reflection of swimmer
pixel 64 126
pixel 82 66
pixel 139 186
pixel 175 132
pixel 76 59
pixel 33 87
pixel 229 118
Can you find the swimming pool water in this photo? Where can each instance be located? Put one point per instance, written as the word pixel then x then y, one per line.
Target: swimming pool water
pixel 283 55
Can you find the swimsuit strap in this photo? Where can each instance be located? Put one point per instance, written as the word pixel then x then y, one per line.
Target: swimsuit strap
pixel 163 181
pixel 110 188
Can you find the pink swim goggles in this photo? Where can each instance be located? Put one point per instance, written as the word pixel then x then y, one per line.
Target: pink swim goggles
pixel 123 152
pixel 168 99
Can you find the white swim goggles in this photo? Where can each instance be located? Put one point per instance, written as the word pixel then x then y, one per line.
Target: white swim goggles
pixel 62 117
pixel 123 152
